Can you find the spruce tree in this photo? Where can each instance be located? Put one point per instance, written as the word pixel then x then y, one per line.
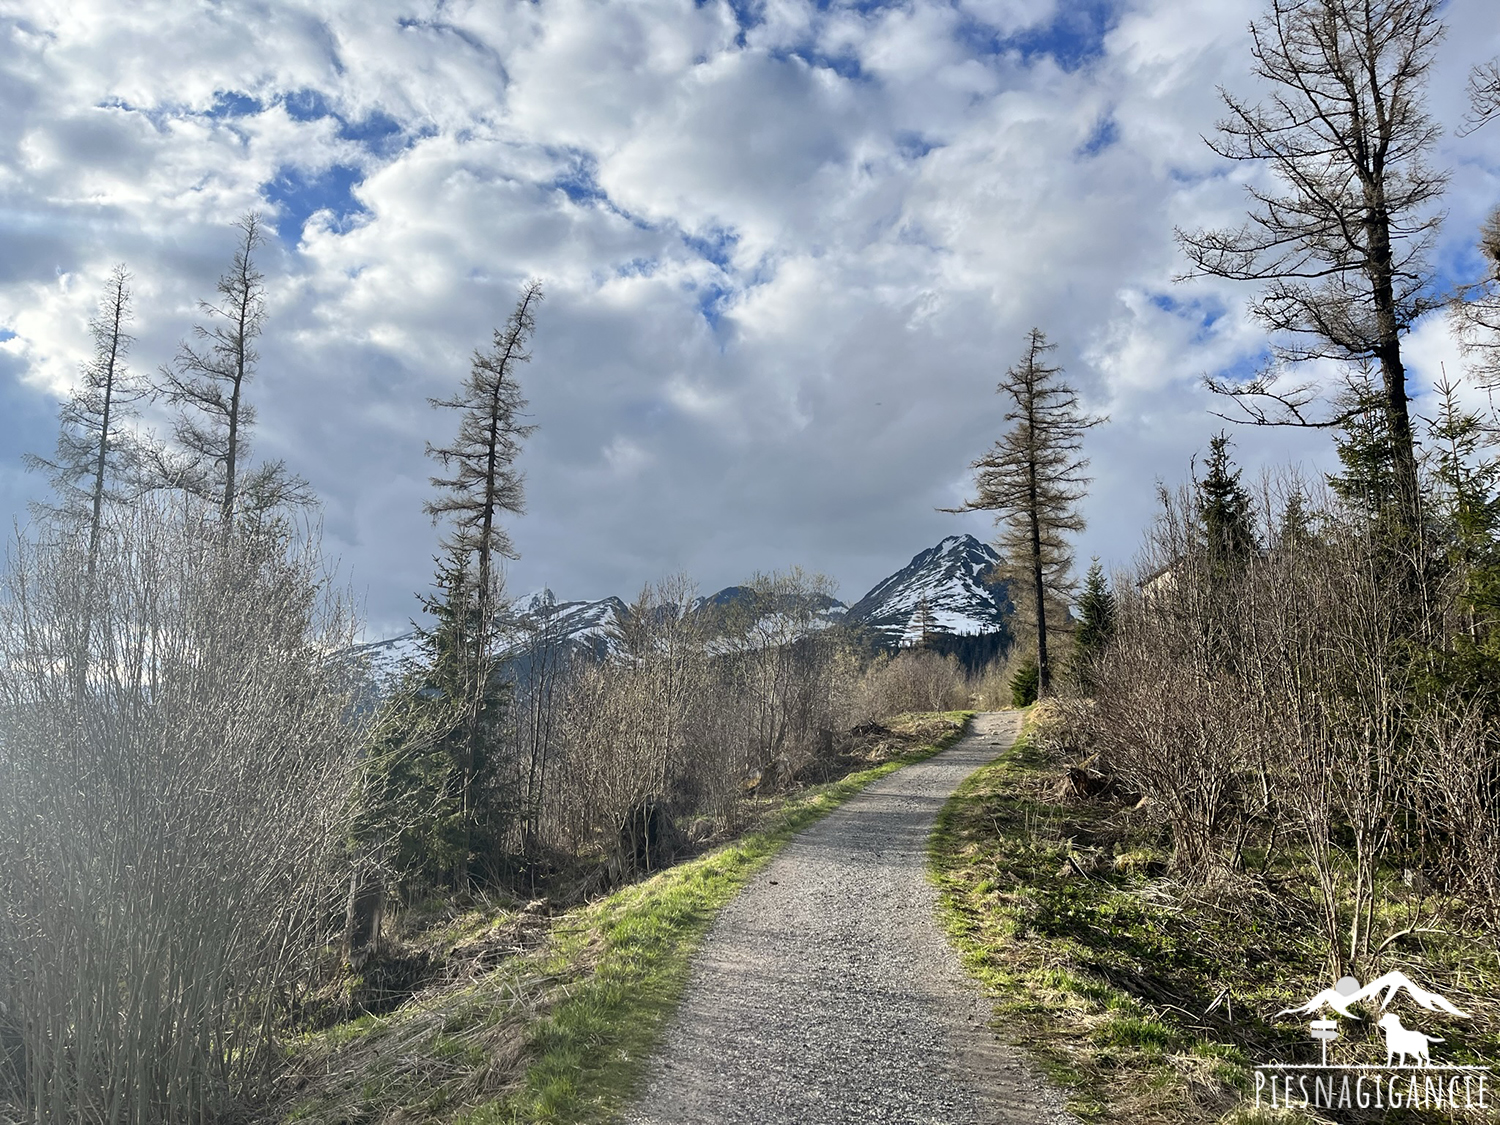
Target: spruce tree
pixel 1096 621
pixel 1294 530
pixel 413 814
pixel 1033 480
pixel 1466 476
pixel 1367 484
pixel 1224 509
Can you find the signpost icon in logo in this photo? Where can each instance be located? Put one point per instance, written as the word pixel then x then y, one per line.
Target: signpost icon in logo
pixel 1327 1031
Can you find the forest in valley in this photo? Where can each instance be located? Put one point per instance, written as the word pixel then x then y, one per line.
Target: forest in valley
pixel 222 835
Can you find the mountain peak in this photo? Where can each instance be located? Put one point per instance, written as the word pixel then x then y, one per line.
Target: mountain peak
pixel 952 581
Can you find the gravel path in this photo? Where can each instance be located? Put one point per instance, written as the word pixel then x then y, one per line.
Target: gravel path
pixel 826 992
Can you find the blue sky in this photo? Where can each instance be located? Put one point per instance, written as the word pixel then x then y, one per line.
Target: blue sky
pixel 788 248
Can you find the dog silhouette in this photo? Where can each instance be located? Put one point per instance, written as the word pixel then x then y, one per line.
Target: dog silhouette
pixel 1403 1041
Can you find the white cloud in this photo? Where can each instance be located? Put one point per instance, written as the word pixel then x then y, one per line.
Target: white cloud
pixel 785 262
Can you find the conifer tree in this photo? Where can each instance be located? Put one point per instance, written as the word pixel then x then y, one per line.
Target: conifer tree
pixel 1096 621
pixel 1340 246
pixel 208 383
pixel 923 624
pixel 1225 510
pixel 413 815
pixel 1367 484
pixel 1294 529
pixel 1033 480
pixel 95 452
pixel 1096 610
pixel 480 484
pixel 1466 474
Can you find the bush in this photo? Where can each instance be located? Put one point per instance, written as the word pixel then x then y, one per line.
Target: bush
pixel 913 680
pixel 175 765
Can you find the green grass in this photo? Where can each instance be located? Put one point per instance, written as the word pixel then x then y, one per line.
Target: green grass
pixel 561 1034
pixel 1147 1000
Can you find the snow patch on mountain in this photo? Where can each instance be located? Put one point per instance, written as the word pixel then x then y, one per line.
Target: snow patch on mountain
pixel 952 581
pixel 579 625
pixel 382 662
pixel 948 589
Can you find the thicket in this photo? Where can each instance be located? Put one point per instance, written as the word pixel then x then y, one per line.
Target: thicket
pixel 1292 679
pixel 176 760
pixel 178 741
pixel 612 760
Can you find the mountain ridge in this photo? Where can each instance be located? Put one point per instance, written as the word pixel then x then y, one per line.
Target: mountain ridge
pixel 951 580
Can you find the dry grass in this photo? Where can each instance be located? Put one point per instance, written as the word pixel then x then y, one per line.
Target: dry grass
pixel 538 1019
pixel 1150 1000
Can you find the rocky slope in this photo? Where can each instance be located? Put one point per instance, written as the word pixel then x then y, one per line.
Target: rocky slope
pixel 951 580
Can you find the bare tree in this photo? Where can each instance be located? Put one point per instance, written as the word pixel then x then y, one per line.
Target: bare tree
pixel 1033 479
pixel 775 633
pixel 1484 96
pixel 483 483
pixel 207 383
pixel 1475 311
pixel 95 451
pixel 1341 246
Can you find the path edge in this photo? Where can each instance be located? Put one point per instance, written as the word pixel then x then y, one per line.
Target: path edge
pixel 595 1046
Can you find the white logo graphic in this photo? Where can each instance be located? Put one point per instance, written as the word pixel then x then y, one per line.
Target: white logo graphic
pixel 1408 1079
pixel 1403 1041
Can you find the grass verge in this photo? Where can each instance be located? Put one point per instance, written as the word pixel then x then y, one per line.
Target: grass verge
pixel 1147 1000
pixel 559 1032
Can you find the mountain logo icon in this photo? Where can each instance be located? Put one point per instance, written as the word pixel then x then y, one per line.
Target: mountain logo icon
pixel 1348 991
pixel 1409 1078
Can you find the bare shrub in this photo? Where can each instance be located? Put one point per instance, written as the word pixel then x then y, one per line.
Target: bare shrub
pixel 913 680
pixel 696 709
pixel 171 825
pixel 1273 694
pixel 1458 781
pixel 1172 728
pixel 990 689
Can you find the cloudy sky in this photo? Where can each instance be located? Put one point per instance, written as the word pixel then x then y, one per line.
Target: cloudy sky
pixel 788 248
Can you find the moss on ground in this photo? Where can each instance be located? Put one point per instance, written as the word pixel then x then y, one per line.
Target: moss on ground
pixel 1146 999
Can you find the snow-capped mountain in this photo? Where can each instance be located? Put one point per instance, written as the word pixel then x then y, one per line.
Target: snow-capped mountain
pixel 952 581
pixel 826 609
pixel 382 661
pixel 577 625
pixel 947 586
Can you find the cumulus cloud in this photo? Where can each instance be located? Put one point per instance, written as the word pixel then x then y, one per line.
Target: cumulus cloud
pixel 788 249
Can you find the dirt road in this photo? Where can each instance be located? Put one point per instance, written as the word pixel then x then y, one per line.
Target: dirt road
pixel 826 993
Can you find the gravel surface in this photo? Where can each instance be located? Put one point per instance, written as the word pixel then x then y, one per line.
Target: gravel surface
pixel 827 993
